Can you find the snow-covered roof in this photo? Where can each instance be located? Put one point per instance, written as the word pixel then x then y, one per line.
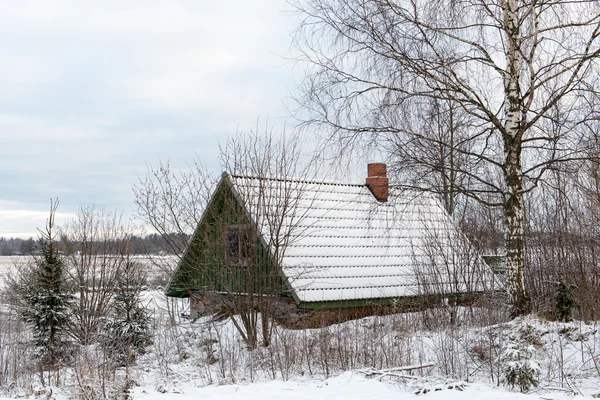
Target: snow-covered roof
pixel 340 243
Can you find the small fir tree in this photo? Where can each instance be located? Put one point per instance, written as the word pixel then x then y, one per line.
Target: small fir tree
pixel 520 367
pixel 563 301
pixel 46 300
pixel 127 330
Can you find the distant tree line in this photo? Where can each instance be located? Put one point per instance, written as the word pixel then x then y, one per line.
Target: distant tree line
pixel 147 244
pixel 17 246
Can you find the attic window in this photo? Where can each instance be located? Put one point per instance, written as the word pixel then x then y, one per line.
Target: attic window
pixel 238 245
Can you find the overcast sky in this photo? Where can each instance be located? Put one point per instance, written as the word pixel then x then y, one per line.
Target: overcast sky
pixel 93 91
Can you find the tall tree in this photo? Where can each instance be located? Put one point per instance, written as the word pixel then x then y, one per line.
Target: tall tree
pixel 525 72
pixel 430 161
pixel 46 300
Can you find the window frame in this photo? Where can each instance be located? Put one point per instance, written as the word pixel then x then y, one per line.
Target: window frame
pixel 244 235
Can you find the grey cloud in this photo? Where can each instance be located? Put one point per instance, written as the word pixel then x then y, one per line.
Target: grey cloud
pixel 92 92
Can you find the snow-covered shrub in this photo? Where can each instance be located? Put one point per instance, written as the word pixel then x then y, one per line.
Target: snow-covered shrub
pixel 520 368
pixel 563 301
pixel 127 329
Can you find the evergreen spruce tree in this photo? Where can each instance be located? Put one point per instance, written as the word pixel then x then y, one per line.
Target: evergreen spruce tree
pixel 563 301
pixel 127 330
pixel 46 300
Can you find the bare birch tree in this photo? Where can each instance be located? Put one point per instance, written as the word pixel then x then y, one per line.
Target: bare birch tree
pixel 525 71
pixel 267 176
pixel 96 242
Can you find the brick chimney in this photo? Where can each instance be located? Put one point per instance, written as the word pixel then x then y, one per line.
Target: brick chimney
pixel 377 180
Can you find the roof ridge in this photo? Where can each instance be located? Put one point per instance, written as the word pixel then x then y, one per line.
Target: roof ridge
pixel 294 180
pixel 323 182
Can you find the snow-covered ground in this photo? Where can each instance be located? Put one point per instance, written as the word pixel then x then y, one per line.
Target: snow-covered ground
pixel 208 360
pixel 348 385
pixel 354 360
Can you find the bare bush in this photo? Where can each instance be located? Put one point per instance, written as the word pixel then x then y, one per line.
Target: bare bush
pixel 96 242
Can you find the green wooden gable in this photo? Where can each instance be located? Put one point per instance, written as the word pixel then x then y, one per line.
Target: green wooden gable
pixel 206 263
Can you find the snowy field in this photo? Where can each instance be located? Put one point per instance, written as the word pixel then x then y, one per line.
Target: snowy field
pixel 8 263
pixel 154 266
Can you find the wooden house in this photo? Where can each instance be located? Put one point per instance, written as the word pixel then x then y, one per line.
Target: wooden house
pixel 328 244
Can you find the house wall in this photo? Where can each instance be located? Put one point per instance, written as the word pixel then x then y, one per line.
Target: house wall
pixel 401 304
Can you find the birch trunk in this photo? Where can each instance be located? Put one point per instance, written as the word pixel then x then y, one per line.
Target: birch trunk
pixel 513 172
pixel 513 211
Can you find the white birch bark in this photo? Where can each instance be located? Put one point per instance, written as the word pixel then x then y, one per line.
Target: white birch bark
pixel 513 172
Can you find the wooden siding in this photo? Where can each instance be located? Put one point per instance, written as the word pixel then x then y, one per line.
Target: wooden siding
pixel 204 265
